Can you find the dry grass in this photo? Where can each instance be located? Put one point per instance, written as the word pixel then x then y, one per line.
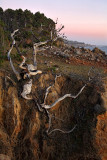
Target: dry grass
pixel 56 65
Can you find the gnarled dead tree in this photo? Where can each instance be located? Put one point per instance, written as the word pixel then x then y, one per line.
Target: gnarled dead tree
pixel 62 98
pixel 31 70
pixel 46 107
pixel 56 33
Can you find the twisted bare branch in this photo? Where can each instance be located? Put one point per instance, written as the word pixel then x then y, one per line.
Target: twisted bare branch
pixel 23 62
pixel 40 43
pixel 56 129
pixel 60 130
pixel 31 70
pixel 63 97
pixel 9 58
pixel 47 90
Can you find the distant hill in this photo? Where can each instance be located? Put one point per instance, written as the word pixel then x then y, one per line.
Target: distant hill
pixel 87 46
pixel 77 44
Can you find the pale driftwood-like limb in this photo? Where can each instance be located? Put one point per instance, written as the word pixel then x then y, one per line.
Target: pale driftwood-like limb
pixel 40 43
pixel 63 97
pixel 8 55
pixel 9 58
pixel 30 69
pixel 22 63
pixel 13 43
pixel 12 34
pixel 35 73
pixel 56 32
pixel 50 121
pixel 35 50
pixel 37 104
pixel 37 45
pixel 46 94
pixel 47 90
pixel 60 130
pixel 42 107
pixel 11 63
pixel 54 130
pixel 16 73
pixel 27 90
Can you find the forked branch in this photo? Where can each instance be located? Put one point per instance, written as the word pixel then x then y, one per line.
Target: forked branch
pixel 61 98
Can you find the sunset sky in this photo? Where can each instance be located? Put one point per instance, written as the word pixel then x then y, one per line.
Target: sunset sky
pixel 84 20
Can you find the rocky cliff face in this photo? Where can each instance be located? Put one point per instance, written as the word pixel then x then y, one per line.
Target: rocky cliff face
pixel 23 127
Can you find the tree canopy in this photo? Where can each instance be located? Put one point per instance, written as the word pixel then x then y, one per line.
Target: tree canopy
pixel 26 22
